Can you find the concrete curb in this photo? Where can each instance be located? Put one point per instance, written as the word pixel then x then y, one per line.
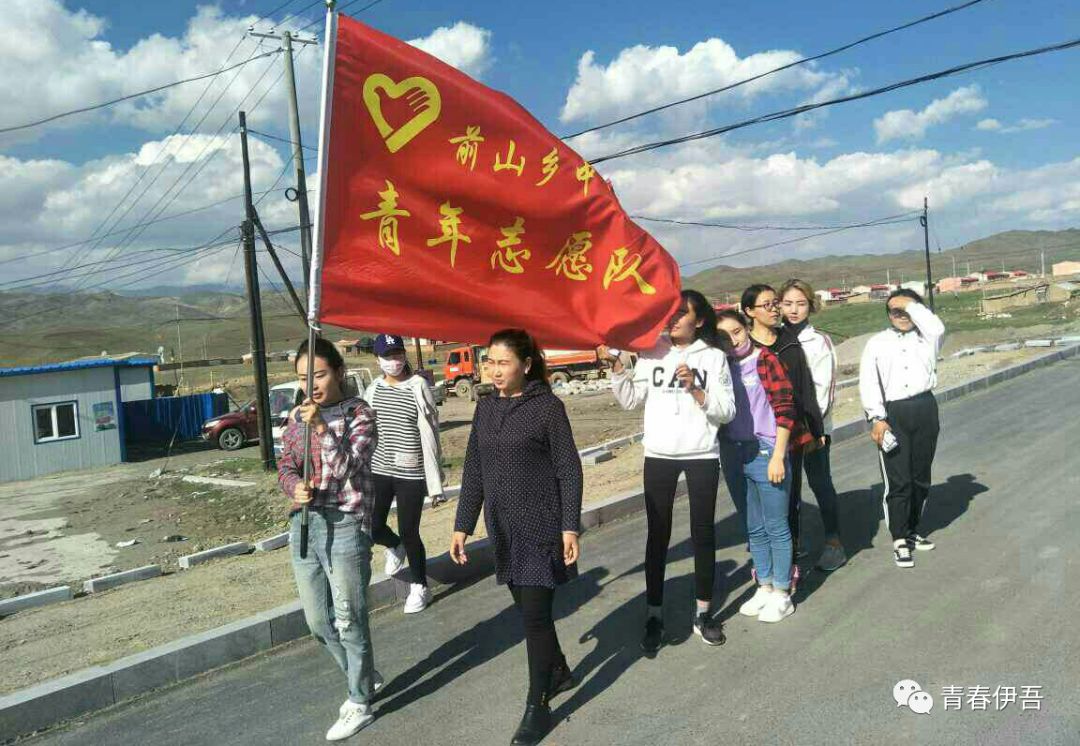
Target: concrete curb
pixel 38 598
pixel 95 688
pixel 105 582
pixel 228 550
pixel 271 543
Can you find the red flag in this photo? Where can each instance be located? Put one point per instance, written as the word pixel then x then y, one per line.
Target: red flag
pixel 450 212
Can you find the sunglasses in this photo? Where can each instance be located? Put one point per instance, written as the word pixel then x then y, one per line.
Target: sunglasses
pixel 897 313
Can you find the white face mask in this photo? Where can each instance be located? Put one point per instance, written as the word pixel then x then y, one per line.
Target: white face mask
pixel 392 367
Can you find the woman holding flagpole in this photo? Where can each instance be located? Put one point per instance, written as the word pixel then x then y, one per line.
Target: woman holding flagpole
pixel 332 575
pixel 685 385
pixel 522 467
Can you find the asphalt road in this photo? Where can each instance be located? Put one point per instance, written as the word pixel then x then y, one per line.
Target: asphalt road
pixel 995 605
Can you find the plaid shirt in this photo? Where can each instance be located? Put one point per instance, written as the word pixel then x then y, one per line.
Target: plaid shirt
pixel 340 459
pixel 775 381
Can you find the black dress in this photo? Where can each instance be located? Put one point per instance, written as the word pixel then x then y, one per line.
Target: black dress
pixel 523 468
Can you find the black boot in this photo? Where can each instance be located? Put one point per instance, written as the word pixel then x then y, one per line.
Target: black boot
pixel 535 724
pixel 562 678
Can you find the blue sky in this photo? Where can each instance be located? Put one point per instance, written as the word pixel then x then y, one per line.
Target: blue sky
pixel 1018 168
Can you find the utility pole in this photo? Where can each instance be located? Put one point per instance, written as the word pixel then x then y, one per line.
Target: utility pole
pixel 258 342
pixel 287 40
pixel 180 347
pixel 926 239
pixel 888 277
pixel 954 266
pixel 1043 262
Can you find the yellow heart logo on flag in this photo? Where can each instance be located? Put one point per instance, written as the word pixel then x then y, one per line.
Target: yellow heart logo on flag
pixel 422 97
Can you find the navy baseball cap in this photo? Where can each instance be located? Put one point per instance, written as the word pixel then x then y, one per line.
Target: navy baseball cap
pixel 387 344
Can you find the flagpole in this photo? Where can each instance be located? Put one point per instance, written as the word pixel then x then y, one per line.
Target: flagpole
pixel 315 278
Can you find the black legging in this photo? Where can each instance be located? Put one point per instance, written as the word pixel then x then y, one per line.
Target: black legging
pixel 541 643
pixel 795 499
pixel 410 494
pixel 661 481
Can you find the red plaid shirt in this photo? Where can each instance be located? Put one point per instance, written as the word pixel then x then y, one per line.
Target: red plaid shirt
pixel 775 381
pixel 340 459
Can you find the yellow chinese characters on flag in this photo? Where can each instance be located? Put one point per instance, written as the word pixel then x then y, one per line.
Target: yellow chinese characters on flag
pixel 450 212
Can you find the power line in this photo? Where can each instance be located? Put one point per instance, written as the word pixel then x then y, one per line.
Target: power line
pixel 752 228
pixel 787 113
pixel 130 96
pixel 74 258
pixel 135 235
pixel 280 139
pixel 775 70
pixel 173 216
pixel 894 220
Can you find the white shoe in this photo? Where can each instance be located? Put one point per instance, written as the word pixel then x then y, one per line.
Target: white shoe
pixel 395 560
pixel 351 719
pixel 778 608
pixel 418 598
pixel 754 606
pixel 377 683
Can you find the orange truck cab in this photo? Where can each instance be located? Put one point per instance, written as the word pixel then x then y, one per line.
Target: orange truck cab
pixel 466 374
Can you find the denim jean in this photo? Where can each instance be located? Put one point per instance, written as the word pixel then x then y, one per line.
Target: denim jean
pixel 767 521
pixel 332 581
pixel 819 477
pixel 734 457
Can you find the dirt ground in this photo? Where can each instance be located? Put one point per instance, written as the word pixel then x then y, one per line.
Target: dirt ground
pixel 63 529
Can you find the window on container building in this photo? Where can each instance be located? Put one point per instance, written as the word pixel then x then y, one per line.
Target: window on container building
pixel 56 422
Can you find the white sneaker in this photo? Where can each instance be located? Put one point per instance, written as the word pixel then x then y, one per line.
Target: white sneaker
pixel 778 607
pixel 377 683
pixel 351 719
pixel 418 598
pixel 395 560
pixel 754 606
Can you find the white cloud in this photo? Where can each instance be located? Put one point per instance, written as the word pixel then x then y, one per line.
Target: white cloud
pixel 1024 125
pixel 905 124
pixel 56 60
pixel 53 203
pixel 463 45
pixel 643 76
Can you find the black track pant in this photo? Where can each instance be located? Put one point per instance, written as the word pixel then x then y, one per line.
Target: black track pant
pixel 661 481
pixel 906 468
pixel 541 643
pixel 410 494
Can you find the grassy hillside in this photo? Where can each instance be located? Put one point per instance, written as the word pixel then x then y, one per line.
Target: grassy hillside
pixel 39 327
pixel 1017 249
pixel 48 327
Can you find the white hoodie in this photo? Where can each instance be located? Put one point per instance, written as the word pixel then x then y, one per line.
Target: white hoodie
pixel 676 427
pixel 823 364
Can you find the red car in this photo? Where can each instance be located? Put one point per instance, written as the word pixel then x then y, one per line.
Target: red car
pixel 232 430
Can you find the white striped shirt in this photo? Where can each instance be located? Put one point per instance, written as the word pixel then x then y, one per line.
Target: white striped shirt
pixel 398 453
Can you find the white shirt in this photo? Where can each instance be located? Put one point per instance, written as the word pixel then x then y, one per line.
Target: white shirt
pixel 821 358
pixel 676 427
pixel 898 365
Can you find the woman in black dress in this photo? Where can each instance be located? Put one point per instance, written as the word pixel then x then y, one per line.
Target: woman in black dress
pixel 522 467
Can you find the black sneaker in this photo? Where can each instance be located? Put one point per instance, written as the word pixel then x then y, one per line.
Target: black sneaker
pixel 915 541
pixel 653 639
pixel 710 630
pixel 902 556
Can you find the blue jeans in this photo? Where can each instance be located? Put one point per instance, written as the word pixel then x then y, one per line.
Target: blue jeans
pixel 767 521
pixel 332 581
pixel 819 477
pixel 735 455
